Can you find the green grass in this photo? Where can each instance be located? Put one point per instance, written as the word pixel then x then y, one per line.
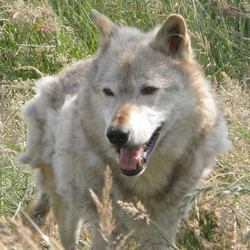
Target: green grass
pixel 48 35
pixel 60 31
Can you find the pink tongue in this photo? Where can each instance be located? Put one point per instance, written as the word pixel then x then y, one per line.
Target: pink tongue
pixel 129 157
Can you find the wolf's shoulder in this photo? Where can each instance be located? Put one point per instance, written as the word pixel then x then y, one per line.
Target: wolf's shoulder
pixel 55 89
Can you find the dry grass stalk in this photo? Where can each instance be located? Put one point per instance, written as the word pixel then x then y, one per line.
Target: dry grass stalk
pixel 137 212
pixel 104 209
pixel 2 114
pixel 31 68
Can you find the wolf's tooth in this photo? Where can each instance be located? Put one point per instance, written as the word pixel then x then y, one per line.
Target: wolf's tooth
pixel 118 162
pixel 139 162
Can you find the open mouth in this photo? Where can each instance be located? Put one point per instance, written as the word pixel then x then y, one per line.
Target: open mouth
pixel 133 161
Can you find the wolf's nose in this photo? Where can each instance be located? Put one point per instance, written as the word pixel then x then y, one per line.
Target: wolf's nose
pixel 118 135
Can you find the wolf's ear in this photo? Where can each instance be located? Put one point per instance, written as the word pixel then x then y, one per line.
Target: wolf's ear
pixel 172 38
pixel 106 28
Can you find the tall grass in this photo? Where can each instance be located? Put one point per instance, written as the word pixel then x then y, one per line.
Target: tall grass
pixel 41 37
pixel 49 34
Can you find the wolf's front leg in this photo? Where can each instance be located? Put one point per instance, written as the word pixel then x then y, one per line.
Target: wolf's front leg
pixel 69 222
pixel 98 243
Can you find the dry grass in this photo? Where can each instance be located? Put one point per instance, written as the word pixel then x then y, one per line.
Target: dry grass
pixel 15 235
pixel 39 16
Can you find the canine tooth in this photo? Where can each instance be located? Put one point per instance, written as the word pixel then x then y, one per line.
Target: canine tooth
pixel 139 162
pixel 117 160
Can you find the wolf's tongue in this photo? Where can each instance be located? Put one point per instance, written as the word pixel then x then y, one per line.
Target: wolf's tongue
pixel 129 157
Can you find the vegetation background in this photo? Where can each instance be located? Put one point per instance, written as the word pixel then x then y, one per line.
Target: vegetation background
pixel 40 37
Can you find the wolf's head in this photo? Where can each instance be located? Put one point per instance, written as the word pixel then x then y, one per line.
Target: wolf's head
pixel 142 81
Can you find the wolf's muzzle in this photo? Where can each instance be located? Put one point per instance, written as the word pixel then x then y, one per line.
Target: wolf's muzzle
pixel 118 135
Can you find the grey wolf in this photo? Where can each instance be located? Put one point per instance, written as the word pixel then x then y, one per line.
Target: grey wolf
pixel 142 106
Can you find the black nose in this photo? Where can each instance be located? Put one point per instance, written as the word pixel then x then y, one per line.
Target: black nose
pixel 118 135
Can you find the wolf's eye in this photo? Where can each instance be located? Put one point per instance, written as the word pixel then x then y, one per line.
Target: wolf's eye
pixel 108 92
pixel 148 90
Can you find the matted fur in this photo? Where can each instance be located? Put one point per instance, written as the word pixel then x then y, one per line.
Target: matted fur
pixel 137 83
